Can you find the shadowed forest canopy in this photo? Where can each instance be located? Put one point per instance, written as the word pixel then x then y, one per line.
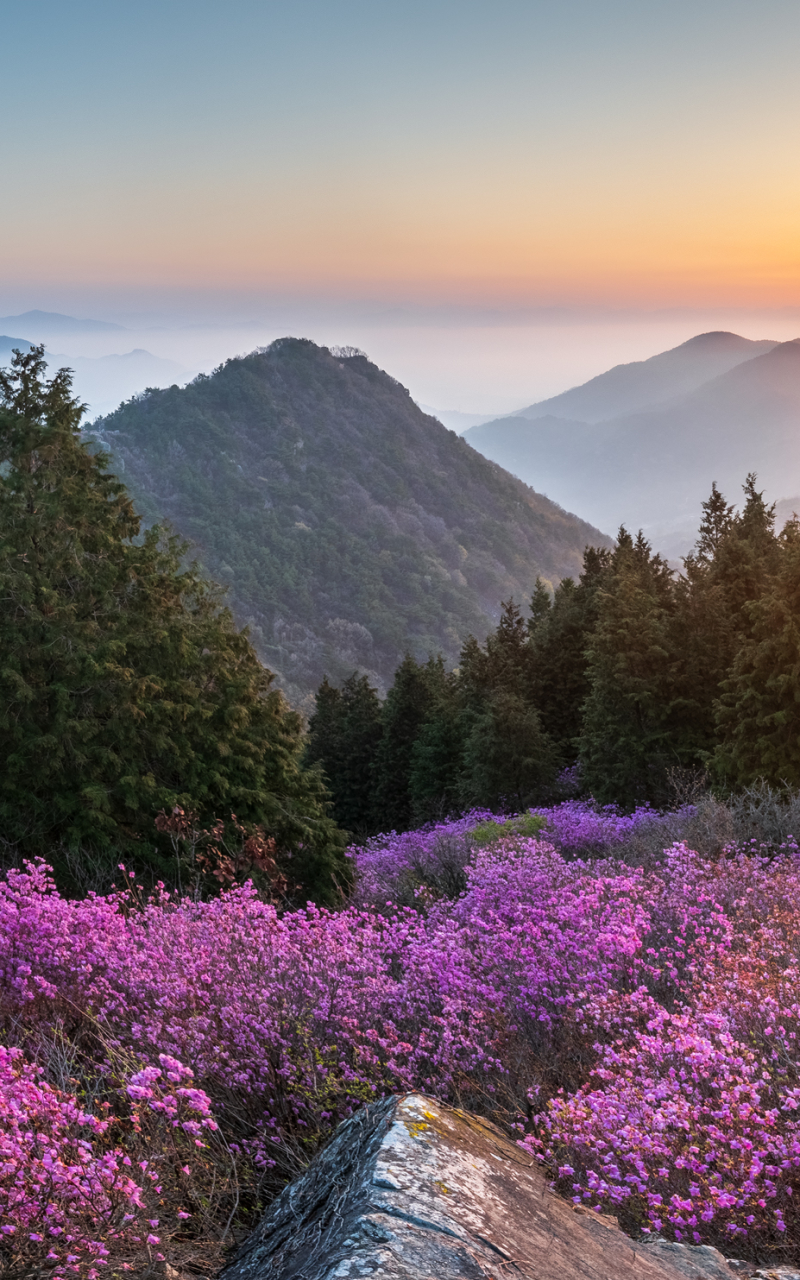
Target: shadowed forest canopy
pixel 349 526
pixel 125 688
pixel 650 681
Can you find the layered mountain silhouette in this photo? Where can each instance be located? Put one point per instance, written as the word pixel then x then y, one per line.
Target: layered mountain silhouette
pixel 643 384
pixel 651 463
pixel 9 345
pixel 349 525
pixel 53 322
pixel 102 381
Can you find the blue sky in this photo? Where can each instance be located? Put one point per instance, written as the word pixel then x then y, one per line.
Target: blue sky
pixel 229 158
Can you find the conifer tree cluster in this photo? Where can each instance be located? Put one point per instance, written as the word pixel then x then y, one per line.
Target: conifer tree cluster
pixel 635 672
pixel 125 688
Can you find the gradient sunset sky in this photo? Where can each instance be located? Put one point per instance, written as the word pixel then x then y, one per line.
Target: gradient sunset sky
pixel 504 155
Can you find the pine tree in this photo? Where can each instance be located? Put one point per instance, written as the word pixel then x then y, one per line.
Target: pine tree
pixel 703 631
pixel 409 704
pixel 627 740
pixel 437 756
pixel 344 735
pixel 737 556
pixel 560 637
pixel 508 759
pixel 758 711
pixel 125 688
pixel 744 557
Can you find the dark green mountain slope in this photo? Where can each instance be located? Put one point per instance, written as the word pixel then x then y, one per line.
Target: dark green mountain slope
pixel 348 524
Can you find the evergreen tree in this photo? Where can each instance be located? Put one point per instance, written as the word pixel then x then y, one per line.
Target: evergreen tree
pixel 703 632
pixel 409 703
pixel 344 735
pixel 734 560
pixel 508 759
pixel 628 741
pixel 125 688
pixel 560 637
pixel 745 556
pixel 716 524
pixel 758 711
pixel 506 662
pixel 437 755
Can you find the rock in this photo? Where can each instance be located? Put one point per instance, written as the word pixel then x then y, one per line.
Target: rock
pixel 697 1261
pixel 777 1273
pixel 409 1188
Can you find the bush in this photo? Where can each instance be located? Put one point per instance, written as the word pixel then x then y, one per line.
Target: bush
pixel 636 1025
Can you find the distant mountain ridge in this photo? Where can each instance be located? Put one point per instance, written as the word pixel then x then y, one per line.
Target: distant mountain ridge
pixel 643 384
pixel 348 525
pixel 102 381
pixel 54 322
pixel 8 345
pixel 651 467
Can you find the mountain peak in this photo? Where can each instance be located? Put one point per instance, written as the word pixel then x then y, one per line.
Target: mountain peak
pixel 349 526
pixel 628 388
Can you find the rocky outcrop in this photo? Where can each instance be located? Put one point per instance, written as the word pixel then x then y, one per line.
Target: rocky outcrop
pixel 409 1188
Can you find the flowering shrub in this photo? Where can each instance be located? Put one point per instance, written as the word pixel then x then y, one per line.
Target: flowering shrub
pixel 690 1121
pixel 578 827
pixel 68 1196
pixel 638 1024
pixel 396 867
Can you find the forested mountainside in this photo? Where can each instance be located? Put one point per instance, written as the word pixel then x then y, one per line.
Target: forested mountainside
pixel 349 525
pixel 653 467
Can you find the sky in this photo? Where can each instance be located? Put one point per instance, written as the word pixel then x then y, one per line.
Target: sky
pixel 531 189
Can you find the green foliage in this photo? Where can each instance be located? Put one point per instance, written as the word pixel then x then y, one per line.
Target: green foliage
pixel 650 676
pixel 758 712
pixel 560 635
pixel 124 687
pixel 508 760
pixel 527 825
pixel 629 737
pixel 436 757
pixel 350 527
pixel 344 734
pixel 674 660
pixel 410 703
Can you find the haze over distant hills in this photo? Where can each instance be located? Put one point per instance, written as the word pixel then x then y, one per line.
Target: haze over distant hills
pixel 348 524
pixel 100 381
pixel 642 384
pixel 9 345
pixel 52 322
pixel 640 456
pixel 103 381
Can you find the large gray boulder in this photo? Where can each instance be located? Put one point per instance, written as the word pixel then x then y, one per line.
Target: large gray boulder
pixel 414 1189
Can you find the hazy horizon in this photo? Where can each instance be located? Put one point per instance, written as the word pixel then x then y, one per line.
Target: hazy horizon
pixel 468 361
pixel 431 155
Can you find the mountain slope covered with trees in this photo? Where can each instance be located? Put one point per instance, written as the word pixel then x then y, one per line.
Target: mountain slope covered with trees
pixel 646 678
pixel 125 688
pixel 349 526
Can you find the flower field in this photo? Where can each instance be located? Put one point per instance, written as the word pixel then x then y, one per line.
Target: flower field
pixel 165 1065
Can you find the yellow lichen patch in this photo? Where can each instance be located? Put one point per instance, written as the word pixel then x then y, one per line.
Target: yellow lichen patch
pixel 417 1130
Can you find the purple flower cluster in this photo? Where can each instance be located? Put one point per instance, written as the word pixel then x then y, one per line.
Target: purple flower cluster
pixel 577 826
pixel 387 866
pixel 67 1194
pixel 648 1018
